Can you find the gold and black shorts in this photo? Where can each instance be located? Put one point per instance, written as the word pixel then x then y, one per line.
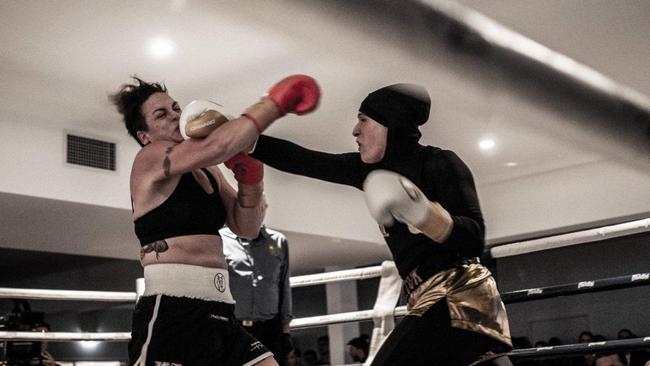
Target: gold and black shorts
pixel 472 298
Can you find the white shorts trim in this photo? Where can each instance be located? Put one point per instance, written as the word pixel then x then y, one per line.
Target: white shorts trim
pixel 142 360
pixel 184 280
pixel 258 359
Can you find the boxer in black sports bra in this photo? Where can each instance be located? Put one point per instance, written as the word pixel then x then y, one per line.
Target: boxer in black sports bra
pixel 180 200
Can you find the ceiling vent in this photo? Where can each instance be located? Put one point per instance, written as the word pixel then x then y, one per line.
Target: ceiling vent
pixel 90 152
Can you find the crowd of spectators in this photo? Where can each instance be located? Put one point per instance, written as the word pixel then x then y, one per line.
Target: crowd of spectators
pixel 625 358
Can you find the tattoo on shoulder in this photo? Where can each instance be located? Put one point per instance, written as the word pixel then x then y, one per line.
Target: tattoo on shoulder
pixel 167 163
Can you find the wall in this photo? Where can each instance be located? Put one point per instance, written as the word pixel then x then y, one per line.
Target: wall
pixel 565 317
pixel 33 163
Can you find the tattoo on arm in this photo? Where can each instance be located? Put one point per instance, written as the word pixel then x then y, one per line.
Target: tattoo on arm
pixel 167 163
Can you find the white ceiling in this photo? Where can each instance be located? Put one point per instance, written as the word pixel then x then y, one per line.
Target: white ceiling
pixel 60 59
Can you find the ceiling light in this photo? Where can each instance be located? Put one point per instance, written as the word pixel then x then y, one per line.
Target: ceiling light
pixel 486 144
pixel 89 345
pixel 160 47
pixel 511 163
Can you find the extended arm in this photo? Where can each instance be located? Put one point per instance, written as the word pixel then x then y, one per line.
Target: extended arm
pixel 291 158
pixel 296 94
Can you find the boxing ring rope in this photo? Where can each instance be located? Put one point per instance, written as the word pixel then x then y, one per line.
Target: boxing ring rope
pixel 34 294
pixel 605 284
pixel 579 237
pixel 581 348
pixel 338 276
pixel 385 309
pixel 620 282
pixel 66 336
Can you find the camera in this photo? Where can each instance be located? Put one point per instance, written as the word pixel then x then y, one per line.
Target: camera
pixel 21 319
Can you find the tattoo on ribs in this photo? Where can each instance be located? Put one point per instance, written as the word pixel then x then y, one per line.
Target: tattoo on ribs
pixel 167 163
pixel 157 246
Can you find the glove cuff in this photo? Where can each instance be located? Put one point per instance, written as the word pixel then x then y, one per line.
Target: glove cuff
pixel 263 113
pixel 438 224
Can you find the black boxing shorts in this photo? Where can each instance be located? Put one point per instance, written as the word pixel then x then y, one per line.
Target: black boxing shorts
pixel 175 331
pixel 186 318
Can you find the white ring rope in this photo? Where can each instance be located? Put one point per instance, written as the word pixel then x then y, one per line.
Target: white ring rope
pixel 579 237
pixel 314 321
pixel 307 322
pixel 297 281
pixel 36 294
pixel 107 296
pixel 385 305
pixel 338 276
pixel 66 336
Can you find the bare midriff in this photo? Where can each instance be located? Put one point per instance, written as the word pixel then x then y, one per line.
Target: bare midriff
pixel 197 250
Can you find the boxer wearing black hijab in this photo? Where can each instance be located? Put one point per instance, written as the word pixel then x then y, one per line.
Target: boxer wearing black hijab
pixel 425 201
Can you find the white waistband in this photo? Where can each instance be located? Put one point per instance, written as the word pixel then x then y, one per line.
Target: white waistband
pixel 184 280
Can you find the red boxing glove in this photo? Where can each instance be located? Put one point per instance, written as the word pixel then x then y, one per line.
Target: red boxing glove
pixel 247 170
pixel 297 94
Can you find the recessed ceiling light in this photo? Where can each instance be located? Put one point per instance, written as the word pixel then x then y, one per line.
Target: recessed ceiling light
pixel 160 47
pixel 88 345
pixel 511 163
pixel 486 144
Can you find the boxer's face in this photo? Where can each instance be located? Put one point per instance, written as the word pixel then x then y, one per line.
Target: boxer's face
pixel 161 114
pixel 371 136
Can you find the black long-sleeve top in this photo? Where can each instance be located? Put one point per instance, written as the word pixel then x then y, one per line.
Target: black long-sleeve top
pixel 440 174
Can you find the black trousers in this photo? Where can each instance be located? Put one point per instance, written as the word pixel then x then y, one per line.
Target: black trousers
pixel 430 340
pixel 269 332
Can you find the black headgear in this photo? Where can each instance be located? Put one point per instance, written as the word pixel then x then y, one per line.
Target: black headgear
pixel 402 108
pixel 398 106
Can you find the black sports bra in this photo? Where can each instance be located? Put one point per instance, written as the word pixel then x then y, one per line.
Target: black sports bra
pixel 189 210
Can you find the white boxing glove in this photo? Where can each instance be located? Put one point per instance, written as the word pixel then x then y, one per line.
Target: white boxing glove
pixel 391 196
pixel 200 117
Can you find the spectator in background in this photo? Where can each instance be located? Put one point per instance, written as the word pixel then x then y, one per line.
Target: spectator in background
pixel 541 344
pixel 522 343
pixel 293 359
pixel 634 358
pixel 359 348
pixel 552 342
pixel 323 344
pixel 585 337
pixel 45 358
pixel 610 359
pixel 310 358
pixel 587 359
pixel 625 334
